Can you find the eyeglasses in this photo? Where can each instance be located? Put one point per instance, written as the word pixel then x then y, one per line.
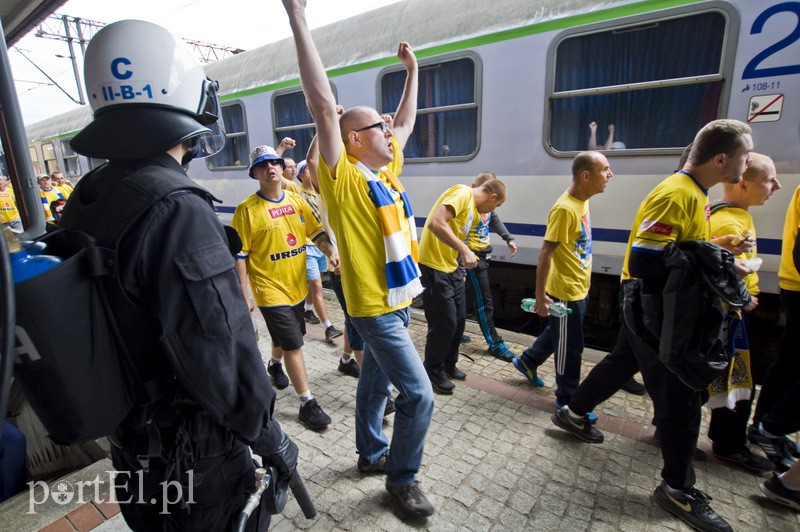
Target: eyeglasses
pixel 271 162
pixel 383 125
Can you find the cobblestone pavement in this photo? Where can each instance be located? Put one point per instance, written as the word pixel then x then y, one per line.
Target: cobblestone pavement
pixel 494 461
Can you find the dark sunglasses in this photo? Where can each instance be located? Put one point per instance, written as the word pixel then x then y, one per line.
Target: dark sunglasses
pixel 383 125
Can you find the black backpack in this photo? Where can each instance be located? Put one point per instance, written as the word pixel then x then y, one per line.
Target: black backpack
pixel 73 366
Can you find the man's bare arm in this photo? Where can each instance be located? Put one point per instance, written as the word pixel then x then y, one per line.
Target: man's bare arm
pixel 542 273
pixel 439 227
pixel 320 99
pixel 406 113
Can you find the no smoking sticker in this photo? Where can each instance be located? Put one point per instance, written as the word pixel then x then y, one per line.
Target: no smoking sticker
pixel 765 108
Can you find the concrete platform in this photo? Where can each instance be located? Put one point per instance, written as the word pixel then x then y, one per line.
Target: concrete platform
pixel 493 460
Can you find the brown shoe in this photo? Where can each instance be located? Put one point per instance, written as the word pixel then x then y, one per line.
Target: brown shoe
pixel 412 500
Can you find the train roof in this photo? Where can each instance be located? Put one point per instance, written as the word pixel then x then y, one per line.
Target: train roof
pixel 370 36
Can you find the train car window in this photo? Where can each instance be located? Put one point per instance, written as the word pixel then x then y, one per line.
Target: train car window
pixel 291 118
pixel 35 160
pixel 50 159
pixel 656 82
pixel 72 167
pixel 235 152
pixel 447 108
pixel 94 163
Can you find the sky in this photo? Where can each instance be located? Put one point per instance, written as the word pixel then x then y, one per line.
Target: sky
pixel 241 24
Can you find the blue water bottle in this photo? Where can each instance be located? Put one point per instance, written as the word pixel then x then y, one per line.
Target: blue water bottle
pixel 24 265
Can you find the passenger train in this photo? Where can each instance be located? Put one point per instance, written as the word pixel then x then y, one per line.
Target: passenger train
pixel 512 87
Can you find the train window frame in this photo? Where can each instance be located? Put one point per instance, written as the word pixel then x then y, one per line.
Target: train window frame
pixel 724 74
pixel 45 149
pixel 73 157
pixel 35 159
pixel 279 132
pixel 238 134
pixel 477 103
pixel 95 162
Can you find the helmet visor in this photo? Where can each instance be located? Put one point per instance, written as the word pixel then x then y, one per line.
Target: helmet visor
pixel 210 143
pixel 208 114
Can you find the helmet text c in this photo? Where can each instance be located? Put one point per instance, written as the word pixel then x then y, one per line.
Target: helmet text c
pixel 115 68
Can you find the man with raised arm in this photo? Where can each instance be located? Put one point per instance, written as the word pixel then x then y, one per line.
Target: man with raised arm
pixel 360 161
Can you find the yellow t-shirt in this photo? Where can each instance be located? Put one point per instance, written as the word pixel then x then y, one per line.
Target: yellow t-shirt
pixel 359 237
pixel 292 186
pixel 273 237
pixel 571 270
pixel 478 239
pixel 434 253
pixel 676 210
pixel 788 276
pixel 734 221
pixel 66 190
pixel 48 197
pixel 8 205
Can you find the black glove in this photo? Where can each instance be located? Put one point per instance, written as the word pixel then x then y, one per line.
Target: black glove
pixel 283 459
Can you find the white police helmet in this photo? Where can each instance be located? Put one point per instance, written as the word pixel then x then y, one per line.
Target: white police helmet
pixel 147 95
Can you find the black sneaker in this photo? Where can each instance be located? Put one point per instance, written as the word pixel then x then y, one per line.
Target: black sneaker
pixel 441 384
pixel 412 501
pixel 332 332
pixel 350 368
pixel 312 416
pixel 311 317
pixel 692 507
pixel 455 373
pixel 747 458
pixel 389 408
pixel 378 467
pixel 633 387
pixel 584 430
pixel 774 448
pixel 774 489
pixel 279 378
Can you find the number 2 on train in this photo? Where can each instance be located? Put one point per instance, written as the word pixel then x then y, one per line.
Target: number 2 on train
pixel 751 70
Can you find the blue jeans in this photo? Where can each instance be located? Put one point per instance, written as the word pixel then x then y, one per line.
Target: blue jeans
pixel 356 343
pixel 564 337
pixel 391 359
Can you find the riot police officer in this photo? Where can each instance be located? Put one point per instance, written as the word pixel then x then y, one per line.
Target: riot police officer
pixel 201 392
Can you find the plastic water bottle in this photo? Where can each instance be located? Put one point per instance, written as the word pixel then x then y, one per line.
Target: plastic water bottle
pixel 557 309
pixel 24 265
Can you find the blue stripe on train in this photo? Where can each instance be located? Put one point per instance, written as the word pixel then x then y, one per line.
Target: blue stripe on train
pixel 766 246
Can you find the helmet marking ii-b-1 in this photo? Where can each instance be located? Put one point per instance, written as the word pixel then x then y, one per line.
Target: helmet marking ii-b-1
pixel 147 94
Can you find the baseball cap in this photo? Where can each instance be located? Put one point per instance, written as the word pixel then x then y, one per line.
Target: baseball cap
pixel 301 167
pixel 261 154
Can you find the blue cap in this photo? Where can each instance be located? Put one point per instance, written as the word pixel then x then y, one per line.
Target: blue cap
pixel 261 154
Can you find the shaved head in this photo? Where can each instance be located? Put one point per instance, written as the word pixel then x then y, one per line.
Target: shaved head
pixel 355 118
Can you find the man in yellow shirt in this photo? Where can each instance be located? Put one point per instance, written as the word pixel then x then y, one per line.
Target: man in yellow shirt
pixel 63 184
pixel 675 211
pixel 776 411
pixel 370 214
pixel 563 274
pixel 728 426
pixel 454 215
pixel 9 215
pixel 273 225
pixel 48 194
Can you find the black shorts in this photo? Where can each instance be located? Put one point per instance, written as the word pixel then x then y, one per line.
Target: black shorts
pixel 286 325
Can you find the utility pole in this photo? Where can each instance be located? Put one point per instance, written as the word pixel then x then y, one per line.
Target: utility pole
pixel 70 29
